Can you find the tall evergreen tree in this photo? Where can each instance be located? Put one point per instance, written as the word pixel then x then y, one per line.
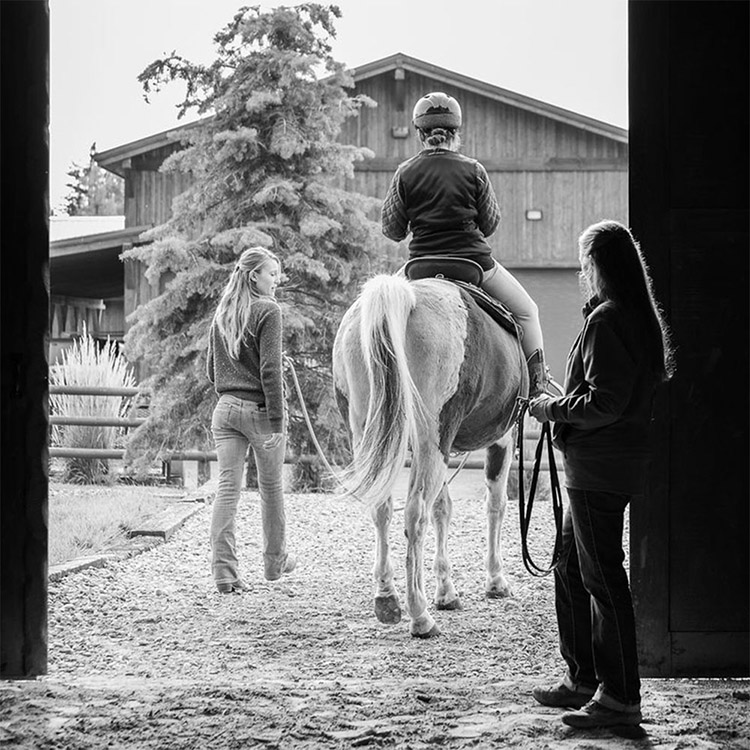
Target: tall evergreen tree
pixel 93 191
pixel 267 169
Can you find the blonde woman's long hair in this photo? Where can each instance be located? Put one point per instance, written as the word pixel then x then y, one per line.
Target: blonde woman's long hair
pixel 232 314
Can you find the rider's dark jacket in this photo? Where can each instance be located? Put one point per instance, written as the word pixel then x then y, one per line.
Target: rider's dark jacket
pixel 602 422
pixel 447 202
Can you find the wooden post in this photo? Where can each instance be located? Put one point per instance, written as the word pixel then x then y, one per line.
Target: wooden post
pixel 24 313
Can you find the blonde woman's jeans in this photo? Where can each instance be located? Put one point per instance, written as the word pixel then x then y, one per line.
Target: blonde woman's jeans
pixel 237 423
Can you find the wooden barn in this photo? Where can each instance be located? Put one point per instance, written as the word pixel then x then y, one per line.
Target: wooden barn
pixel 554 172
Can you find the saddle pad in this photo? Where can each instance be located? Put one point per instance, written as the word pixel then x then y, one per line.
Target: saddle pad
pixel 494 308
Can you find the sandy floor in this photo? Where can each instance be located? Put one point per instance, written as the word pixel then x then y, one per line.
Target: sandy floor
pixel 144 654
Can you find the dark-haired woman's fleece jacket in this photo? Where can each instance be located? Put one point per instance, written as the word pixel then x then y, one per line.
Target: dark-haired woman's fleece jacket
pixel 602 423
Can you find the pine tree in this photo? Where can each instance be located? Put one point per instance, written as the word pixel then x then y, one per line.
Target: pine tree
pixel 267 169
pixel 93 191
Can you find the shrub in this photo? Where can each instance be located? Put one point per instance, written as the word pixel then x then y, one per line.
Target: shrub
pixel 89 363
pixel 309 474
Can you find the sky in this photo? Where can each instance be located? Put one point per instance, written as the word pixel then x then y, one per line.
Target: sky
pixel 570 53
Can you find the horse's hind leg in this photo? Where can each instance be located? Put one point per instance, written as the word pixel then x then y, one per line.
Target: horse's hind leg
pixel 497 468
pixel 387 606
pixel 427 477
pixel 446 596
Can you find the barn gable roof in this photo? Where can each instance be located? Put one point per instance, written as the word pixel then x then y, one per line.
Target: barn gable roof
pixel 117 159
pixel 90 265
pixel 400 61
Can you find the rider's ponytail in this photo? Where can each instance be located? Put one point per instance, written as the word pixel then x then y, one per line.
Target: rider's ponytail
pixel 440 137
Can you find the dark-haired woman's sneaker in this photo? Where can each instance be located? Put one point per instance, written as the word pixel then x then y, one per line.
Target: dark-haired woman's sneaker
pixel 561 696
pixel 236 587
pixel 594 715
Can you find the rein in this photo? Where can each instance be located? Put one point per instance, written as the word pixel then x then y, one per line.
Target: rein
pixel 525 504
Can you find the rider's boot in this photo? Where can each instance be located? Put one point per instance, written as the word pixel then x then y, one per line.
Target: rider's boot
pixel 540 380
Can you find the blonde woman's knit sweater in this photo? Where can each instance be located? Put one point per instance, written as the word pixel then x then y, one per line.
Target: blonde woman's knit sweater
pixel 257 375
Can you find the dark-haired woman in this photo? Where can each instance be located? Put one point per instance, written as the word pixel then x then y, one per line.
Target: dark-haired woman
pixel 446 201
pixel 602 425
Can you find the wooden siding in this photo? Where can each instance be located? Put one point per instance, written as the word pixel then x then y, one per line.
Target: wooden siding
pixel 149 195
pixel 491 130
pixel 569 201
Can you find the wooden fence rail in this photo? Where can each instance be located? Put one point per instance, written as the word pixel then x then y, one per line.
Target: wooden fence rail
pixel 93 390
pixel 89 421
pixel 205 456
pixel 200 458
pixel 118 453
pixel 531 434
pixel 97 421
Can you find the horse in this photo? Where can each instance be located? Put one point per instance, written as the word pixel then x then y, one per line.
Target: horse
pixel 417 365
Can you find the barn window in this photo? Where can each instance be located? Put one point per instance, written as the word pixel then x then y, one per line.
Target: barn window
pixel 533 214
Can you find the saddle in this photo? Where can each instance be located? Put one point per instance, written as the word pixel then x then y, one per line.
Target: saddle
pixel 466 274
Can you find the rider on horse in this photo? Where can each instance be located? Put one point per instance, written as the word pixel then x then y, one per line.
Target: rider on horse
pixel 446 200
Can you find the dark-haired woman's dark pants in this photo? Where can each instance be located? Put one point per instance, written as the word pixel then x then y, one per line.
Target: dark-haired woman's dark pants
pixel 592 598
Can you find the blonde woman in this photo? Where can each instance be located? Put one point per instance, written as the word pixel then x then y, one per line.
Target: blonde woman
pixel 245 366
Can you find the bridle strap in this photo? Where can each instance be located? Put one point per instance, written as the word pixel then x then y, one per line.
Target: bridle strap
pixel 525 505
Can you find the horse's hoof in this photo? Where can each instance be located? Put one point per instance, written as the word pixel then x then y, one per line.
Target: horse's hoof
pixel 433 632
pixel 499 593
pixel 388 609
pixel 454 604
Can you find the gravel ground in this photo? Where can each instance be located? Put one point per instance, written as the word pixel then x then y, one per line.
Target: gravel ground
pixel 144 654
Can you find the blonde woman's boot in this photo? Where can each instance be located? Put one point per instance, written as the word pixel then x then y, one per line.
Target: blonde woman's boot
pixel 279 565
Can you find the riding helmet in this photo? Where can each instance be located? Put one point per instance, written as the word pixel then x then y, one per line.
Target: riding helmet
pixel 436 110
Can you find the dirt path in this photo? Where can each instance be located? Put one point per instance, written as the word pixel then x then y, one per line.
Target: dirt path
pixel 143 654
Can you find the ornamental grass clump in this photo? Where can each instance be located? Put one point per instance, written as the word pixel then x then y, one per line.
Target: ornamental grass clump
pixel 89 363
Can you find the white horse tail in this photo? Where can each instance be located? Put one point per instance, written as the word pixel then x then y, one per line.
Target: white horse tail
pixel 395 409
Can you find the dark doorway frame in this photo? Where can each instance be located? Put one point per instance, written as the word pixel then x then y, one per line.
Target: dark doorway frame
pixel 24 302
pixel 688 137
pixel 688 92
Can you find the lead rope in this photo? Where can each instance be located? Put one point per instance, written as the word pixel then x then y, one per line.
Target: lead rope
pixel 525 506
pixel 290 364
pixel 459 467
